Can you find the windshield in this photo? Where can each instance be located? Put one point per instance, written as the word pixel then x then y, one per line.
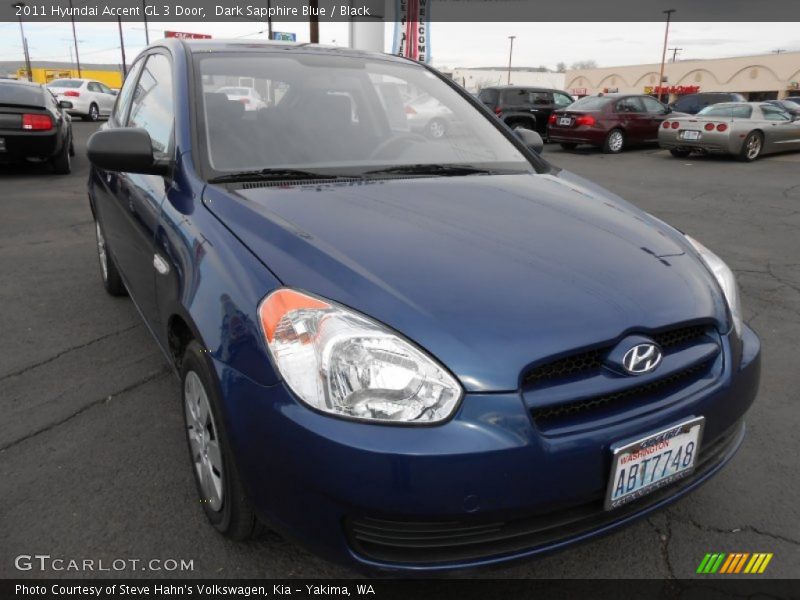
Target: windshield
pixel 735 111
pixel 791 104
pixel 344 115
pixel 590 103
pixel 66 83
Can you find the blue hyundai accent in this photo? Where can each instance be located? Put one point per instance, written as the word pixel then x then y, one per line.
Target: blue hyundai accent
pixel 404 339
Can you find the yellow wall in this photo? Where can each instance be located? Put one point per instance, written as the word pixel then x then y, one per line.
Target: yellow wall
pixel 112 79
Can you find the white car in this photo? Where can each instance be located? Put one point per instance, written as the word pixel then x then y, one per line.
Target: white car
pixel 90 99
pixel 246 95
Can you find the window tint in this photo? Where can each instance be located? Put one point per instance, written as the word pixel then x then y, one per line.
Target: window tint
pixel 689 104
pixel 515 97
pixel 66 83
pixel 104 88
pixel 653 106
pixel 630 105
pixel 561 99
pixel 540 98
pixel 17 93
pixel 773 113
pixel 152 102
pixel 488 96
pixel 126 93
pixel 591 103
pixel 94 87
pixel 734 111
pixel 792 105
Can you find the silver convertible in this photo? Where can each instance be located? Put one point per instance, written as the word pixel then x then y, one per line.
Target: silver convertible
pixel 744 129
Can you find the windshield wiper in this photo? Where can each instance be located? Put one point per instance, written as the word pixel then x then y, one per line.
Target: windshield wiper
pixel 271 175
pixel 453 170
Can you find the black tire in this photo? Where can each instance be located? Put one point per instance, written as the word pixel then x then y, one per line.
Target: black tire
pixel 235 518
pixel 614 142
pixel 109 273
pixel 569 145
pixel 94 113
pixel 61 163
pixel 752 147
pixel 680 152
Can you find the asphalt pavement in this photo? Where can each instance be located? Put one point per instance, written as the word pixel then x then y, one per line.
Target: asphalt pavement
pixel 93 462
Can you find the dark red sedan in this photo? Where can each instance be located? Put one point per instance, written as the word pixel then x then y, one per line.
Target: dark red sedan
pixel 610 121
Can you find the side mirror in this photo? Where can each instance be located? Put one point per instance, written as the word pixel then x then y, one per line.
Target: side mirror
pixel 126 150
pixel 530 138
pixel 65 104
pixel 114 92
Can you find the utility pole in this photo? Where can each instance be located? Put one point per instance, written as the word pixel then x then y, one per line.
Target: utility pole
pixel 146 29
pixel 675 53
pixel 21 5
pixel 269 19
pixel 511 39
pixel 664 54
pixel 75 38
pixel 313 22
pixel 779 50
pixel 122 47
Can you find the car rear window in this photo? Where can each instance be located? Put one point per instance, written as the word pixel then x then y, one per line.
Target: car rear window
pixel 66 83
pixel 488 96
pixel 26 95
pixel 590 103
pixel 727 110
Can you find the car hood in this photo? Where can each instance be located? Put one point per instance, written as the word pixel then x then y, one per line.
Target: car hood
pixel 488 273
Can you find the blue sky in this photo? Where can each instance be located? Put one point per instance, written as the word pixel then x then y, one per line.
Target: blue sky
pixel 454 44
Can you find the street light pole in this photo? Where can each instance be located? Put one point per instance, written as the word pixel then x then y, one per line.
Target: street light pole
pixel 664 55
pixel 122 47
pixel 20 5
pixel 510 52
pixel 269 19
pixel 75 38
pixel 146 30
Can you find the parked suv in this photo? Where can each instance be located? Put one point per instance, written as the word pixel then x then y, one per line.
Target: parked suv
pixel 611 121
pixel 694 103
pixel 528 107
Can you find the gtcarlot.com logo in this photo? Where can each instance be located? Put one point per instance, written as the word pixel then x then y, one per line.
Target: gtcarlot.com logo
pixel 734 563
pixel 45 562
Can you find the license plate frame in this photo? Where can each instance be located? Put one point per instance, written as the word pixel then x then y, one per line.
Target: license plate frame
pixel 677 437
pixel 690 135
pixel 565 121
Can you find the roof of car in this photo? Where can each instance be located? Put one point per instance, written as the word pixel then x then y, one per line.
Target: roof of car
pixel 536 88
pixel 20 82
pixel 220 45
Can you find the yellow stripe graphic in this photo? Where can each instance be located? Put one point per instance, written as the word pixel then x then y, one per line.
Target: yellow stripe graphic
pixel 741 562
pixel 751 564
pixel 765 563
pixel 757 564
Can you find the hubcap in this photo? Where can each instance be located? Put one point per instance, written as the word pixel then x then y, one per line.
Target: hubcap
pixel 615 141
pixel 203 441
pixel 436 129
pixel 93 111
pixel 101 251
pixel 753 147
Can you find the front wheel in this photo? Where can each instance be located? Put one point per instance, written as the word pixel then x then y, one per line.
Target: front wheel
pixel 680 152
pixel 614 142
pixel 219 487
pixel 94 113
pixel 751 149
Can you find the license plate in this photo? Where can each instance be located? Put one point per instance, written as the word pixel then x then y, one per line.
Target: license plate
pixel 641 467
pixel 2 144
pixel 691 135
pixel 565 121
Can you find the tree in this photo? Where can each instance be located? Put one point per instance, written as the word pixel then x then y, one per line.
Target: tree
pixel 561 67
pixel 584 64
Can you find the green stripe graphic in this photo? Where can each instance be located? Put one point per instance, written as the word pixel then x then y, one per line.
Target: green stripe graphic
pixel 718 564
pixel 702 567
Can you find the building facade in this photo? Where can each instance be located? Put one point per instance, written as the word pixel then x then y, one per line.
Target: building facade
pixel 761 77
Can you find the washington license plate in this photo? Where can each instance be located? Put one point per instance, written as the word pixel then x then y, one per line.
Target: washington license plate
pixel 566 121
pixel 691 135
pixel 641 467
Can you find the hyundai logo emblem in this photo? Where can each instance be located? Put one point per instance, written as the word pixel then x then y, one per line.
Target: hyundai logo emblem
pixel 642 358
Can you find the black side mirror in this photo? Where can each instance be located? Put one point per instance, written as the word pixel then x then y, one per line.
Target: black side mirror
pixel 65 104
pixel 127 150
pixel 530 138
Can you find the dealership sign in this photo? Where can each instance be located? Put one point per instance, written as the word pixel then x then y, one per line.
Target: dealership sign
pixel 675 89
pixel 412 29
pixel 186 36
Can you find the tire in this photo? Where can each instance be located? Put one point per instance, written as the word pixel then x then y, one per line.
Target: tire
pixel 436 129
pixel 752 147
pixel 680 152
pixel 94 113
pixel 219 486
pixel 614 142
pixel 569 145
pixel 112 281
pixel 61 163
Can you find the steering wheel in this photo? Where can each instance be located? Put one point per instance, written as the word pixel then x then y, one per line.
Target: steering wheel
pixel 398 140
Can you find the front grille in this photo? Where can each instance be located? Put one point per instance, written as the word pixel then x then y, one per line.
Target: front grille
pixel 592 360
pixel 441 542
pixel 662 386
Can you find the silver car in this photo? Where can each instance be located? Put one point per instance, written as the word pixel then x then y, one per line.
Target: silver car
pixel 744 129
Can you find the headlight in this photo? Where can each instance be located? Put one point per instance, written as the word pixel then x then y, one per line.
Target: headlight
pixel 726 280
pixel 340 362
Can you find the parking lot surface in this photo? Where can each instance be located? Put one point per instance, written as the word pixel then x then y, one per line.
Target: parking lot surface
pixel 93 462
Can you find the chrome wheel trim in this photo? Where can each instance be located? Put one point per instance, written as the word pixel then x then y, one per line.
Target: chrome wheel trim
pixel 615 141
pixel 754 147
pixel 203 441
pixel 101 251
pixel 436 129
pixel 94 112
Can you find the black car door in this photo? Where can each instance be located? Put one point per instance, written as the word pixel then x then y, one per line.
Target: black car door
pixel 132 214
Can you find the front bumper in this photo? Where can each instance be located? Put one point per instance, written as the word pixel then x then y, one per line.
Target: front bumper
pixel 483 488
